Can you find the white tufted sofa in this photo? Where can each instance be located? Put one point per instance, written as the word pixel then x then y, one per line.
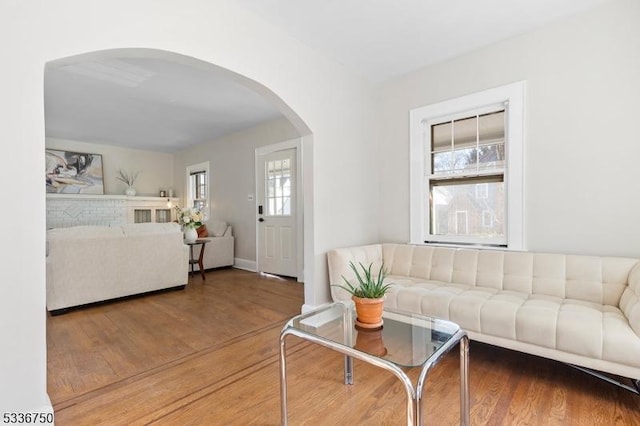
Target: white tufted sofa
pixel 582 310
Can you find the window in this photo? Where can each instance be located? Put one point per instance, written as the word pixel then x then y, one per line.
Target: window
pixel 198 187
pixel 278 182
pixel 466 169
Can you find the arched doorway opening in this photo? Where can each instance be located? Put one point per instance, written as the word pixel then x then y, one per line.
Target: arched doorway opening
pixel 91 66
pixel 149 99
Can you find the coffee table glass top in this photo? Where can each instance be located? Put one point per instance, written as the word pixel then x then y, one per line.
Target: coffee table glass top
pixel 406 339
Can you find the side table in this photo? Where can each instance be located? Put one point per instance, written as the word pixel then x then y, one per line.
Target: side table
pixel 405 340
pixel 193 261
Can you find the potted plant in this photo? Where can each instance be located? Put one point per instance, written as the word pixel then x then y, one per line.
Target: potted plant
pixel 367 294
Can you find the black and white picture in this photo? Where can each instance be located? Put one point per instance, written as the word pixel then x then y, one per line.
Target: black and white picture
pixel 68 172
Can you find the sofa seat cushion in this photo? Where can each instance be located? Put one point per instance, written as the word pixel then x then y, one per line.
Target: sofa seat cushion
pixel 572 326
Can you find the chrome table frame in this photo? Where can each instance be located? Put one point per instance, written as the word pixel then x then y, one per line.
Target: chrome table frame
pixel 414 395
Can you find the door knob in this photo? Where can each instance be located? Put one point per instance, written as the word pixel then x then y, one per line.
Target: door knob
pixel 261 220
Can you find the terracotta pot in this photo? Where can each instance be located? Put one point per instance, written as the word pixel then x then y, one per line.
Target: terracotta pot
pixel 368 311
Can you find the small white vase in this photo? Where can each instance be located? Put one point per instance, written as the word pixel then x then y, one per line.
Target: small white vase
pixel 190 235
pixel 130 191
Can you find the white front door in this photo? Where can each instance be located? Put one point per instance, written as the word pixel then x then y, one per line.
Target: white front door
pixel 276 195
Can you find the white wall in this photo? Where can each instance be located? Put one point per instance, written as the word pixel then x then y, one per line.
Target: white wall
pixel 156 168
pixel 336 105
pixel 22 297
pixel 581 144
pixel 232 170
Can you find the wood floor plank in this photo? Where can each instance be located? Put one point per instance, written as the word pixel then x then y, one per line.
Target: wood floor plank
pixel 153 393
pixel 208 355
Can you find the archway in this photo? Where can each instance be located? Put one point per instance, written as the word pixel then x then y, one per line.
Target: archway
pixel 287 112
pixel 132 73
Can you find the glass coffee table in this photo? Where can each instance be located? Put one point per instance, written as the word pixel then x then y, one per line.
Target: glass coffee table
pixel 404 340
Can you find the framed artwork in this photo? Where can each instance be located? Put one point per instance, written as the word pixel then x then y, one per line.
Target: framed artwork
pixel 68 172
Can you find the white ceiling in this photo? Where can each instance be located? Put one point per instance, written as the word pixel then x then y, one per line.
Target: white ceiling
pixel 382 39
pixel 146 103
pixel 155 104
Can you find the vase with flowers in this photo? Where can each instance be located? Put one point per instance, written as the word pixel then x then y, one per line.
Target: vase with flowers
pixel 190 219
pixel 128 179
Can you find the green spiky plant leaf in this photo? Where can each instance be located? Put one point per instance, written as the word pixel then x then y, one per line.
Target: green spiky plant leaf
pixel 369 286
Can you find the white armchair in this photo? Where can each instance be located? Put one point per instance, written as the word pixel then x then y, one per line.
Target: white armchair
pixel 219 251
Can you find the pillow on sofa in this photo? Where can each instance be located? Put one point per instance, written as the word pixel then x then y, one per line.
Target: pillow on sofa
pixel 218 228
pixel 202 231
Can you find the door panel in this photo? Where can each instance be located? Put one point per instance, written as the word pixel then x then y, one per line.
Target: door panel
pixel 277 217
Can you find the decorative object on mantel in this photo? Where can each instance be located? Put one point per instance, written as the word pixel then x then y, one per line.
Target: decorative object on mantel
pixel 190 219
pixel 368 295
pixel 129 180
pixel 68 172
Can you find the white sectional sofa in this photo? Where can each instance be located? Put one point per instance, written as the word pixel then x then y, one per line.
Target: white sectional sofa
pixel 87 264
pixel 581 310
pixel 219 250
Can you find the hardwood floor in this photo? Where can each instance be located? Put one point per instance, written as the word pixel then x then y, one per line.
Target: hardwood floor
pixel 208 355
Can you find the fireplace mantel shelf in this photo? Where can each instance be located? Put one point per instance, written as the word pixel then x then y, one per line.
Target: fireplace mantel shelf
pixel 109 197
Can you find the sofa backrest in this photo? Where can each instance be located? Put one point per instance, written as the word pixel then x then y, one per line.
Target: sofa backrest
pixel 84 231
pixel 150 228
pixel 338 262
pixel 589 278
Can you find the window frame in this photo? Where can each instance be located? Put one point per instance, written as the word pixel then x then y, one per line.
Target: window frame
pixel 512 97
pixel 189 194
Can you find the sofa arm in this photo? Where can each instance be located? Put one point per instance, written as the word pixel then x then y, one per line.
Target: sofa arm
pixel 630 301
pixel 218 252
pixel 338 262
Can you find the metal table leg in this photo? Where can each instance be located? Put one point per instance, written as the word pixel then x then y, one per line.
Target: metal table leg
pixel 462 338
pixel 348 370
pixel 349 355
pixel 465 415
pixel 283 380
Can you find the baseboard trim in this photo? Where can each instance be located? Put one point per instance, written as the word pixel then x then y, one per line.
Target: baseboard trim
pixel 247 265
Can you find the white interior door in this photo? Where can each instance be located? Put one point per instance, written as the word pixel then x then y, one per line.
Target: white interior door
pixel 277 226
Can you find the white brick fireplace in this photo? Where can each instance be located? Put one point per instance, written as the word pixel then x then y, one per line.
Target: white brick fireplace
pixel 65 210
